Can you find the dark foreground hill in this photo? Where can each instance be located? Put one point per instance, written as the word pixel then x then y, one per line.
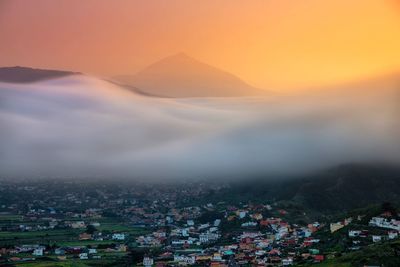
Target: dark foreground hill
pixel 27 75
pixel 335 190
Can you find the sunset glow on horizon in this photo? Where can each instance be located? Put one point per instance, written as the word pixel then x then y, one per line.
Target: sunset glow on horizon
pixel 278 45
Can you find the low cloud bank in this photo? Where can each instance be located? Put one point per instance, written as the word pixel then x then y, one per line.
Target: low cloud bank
pixel 83 127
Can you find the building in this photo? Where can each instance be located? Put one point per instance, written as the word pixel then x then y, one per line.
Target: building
pixel 287 262
pixel 376 238
pixel 118 237
pixel 354 233
pixel 38 252
pixel 83 256
pixel 92 251
pixel 336 226
pixel 85 236
pixel 392 234
pixel 242 214
pixel 384 223
pixel 78 224
pixel 185 259
pixel 148 261
pixel 208 237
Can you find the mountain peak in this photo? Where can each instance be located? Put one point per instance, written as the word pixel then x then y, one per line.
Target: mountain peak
pixel 181 75
pixel 181 55
pixel 178 60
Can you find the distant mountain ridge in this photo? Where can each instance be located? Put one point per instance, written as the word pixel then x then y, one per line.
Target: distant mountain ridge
pixel 183 76
pixel 19 74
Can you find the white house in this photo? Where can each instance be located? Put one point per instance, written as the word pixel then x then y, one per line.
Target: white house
pixel 282 232
pixel 169 219
pixel 307 232
pixel 384 223
pixel 213 229
pixel 203 238
pixel 181 242
pixel 354 233
pixel 78 224
pixel 217 257
pixel 376 238
pixel 38 252
pixel 185 232
pixel 242 214
pixel 287 261
pixel 83 256
pixel 160 234
pixel 208 236
pixel 59 251
pixel 204 226
pixel 185 259
pixel 249 224
pixel 147 261
pixel 392 234
pixel 260 252
pixel 118 237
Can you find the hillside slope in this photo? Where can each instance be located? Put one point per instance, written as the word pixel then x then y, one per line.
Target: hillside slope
pixel 338 189
pixel 28 75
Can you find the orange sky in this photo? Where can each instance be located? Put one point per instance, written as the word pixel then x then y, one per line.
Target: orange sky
pixel 278 44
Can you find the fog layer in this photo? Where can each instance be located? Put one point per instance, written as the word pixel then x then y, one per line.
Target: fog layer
pixel 80 126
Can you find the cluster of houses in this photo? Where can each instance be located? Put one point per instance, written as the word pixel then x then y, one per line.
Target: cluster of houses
pixel 335 226
pixel 385 223
pixel 183 236
pixel 392 226
pixel 384 228
pixel 255 240
pixel 33 252
pixel 271 248
pixel 277 244
pixel 269 241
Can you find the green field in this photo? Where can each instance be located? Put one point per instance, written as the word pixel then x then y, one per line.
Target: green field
pixel 38 237
pixel 332 263
pixel 107 259
pixel 70 263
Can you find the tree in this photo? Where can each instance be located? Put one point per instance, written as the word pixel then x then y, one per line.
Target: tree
pixel 90 229
pixel 388 207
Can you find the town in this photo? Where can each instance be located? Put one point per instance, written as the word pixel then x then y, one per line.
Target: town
pixel 102 224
